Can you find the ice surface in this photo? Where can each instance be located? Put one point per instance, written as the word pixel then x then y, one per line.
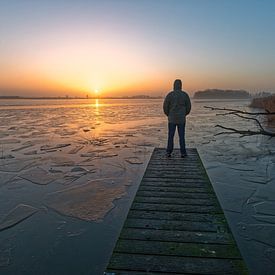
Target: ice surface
pixel 76 149
pixel 266 207
pixel 3 134
pixel 39 176
pixel 79 169
pixel 5 178
pixel 7 156
pixel 237 202
pixel 88 155
pixel 90 201
pixel 53 147
pixel 61 161
pixel 16 165
pixel 263 233
pixel 265 218
pixel 270 254
pixel 120 141
pixel 24 146
pixel 17 215
pixel 107 155
pixel 145 143
pixel 9 141
pixel 30 153
pixel 5 255
pixel 74 146
pixel 133 160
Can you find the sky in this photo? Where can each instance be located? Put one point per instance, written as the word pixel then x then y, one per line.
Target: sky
pixel 123 47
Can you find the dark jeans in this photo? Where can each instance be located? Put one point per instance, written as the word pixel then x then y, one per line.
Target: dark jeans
pixel 171 132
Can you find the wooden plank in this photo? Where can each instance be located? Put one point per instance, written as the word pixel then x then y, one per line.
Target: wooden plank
pixel 191 159
pixel 218 251
pixel 178 201
pixel 154 178
pixel 173 264
pixel 184 208
pixel 167 189
pixel 129 272
pixel 187 195
pixel 175 224
pixel 168 175
pixel 175 236
pixel 187 179
pixel 176 180
pixel 174 167
pixel 179 216
pixel 192 183
pixel 189 171
pixel 174 162
pixel 173 175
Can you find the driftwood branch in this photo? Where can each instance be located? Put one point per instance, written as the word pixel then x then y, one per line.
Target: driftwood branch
pixel 243 115
pixel 244 133
pixel 251 118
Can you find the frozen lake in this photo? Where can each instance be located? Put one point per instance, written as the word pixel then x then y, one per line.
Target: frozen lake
pixel 69 170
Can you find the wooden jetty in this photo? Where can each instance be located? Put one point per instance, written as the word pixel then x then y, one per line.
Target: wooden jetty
pixel 175 224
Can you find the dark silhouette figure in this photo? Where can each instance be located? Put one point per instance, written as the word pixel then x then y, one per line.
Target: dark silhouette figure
pixel 176 106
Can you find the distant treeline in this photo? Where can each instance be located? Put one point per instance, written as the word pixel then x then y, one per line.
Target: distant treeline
pixel 87 97
pixel 221 94
pixel 9 97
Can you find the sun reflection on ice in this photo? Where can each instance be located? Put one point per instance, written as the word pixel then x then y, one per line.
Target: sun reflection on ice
pixel 97 118
pixel 97 104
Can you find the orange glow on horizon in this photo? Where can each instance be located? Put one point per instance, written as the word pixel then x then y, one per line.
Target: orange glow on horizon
pixel 101 67
pixel 82 81
pixel 97 69
pixel 77 68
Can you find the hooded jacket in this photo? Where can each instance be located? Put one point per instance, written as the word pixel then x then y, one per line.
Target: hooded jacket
pixel 177 106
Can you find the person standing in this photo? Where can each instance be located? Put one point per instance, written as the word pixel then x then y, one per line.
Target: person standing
pixel 176 106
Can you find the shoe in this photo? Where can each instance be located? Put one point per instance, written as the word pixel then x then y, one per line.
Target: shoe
pixel 168 155
pixel 183 155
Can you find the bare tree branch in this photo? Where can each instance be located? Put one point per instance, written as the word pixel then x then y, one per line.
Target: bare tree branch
pixel 232 111
pixel 244 133
pixel 241 114
pixel 251 118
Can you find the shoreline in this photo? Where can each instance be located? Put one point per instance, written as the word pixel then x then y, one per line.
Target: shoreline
pixel 73 98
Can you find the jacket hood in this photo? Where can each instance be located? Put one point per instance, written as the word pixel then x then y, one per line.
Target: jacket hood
pixel 177 85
